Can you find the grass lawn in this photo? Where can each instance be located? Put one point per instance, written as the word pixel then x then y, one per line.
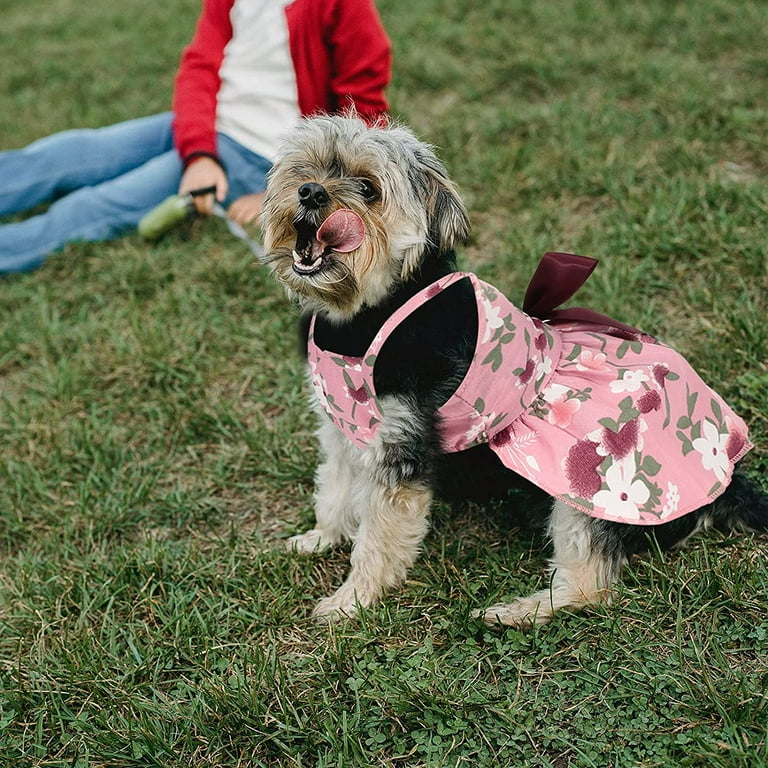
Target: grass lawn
pixel 155 444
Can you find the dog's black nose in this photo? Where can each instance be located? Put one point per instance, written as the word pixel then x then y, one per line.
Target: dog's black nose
pixel 313 195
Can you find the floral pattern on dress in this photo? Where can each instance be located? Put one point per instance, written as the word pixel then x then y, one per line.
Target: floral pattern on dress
pixel 618 426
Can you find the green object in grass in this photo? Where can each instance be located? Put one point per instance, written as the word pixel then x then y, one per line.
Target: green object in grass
pixel 172 211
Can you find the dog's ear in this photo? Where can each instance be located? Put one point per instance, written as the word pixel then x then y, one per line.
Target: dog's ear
pixel 447 218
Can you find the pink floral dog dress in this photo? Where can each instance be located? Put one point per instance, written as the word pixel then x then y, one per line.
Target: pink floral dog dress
pixel 598 414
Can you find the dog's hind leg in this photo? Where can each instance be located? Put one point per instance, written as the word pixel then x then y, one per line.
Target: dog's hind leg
pixel 336 517
pixel 581 572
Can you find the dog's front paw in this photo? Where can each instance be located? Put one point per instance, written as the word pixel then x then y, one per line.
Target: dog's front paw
pixel 342 604
pixel 311 541
pixel 522 613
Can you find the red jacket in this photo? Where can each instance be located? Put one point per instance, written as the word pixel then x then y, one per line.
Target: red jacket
pixel 340 51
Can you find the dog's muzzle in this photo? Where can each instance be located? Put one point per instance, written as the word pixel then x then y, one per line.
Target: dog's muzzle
pixel 341 232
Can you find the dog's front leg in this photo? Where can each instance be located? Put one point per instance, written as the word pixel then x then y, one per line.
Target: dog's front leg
pixel 387 543
pixel 336 516
pixel 393 501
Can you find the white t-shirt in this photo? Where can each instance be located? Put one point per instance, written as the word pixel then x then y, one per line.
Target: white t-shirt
pixel 258 117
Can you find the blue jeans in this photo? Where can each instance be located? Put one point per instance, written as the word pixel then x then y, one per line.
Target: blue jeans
pixel 102 182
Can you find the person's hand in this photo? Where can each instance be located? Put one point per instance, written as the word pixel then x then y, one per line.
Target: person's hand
pixel 201 173
pixel 246 209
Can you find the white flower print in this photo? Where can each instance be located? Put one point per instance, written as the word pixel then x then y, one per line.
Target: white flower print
pixel 376 343
pixel 631 382
pixel 712 449
pixel 318 385
pixel 544 367
pixel 514 453
pixel 624 496
pixel 672 500
pixel 554 392
pixel 494 320
pixel 479 427
pixel 474 431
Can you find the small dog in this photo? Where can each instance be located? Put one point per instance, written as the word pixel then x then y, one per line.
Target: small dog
pixel 428 381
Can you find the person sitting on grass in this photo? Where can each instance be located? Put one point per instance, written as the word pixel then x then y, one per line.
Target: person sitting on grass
pixel 251 70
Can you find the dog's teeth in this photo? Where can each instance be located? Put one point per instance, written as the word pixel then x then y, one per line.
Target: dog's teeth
pixel 300 265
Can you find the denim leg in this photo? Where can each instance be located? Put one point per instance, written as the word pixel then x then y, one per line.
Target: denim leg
pixel 246 171
pixel 102 211
pixel 91 213
pixel 59 164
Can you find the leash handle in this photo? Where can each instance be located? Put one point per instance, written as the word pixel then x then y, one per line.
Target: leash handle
pixel 239 231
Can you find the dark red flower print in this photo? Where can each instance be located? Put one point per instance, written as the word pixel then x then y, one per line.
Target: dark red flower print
pixel 540 342
pixel 525 376
pixel 735 444
pixel 581 465
pixel 359 395
pixel 620 443
pixel 650 401
pixel 501 438
pixel 660 371
pixel 433 290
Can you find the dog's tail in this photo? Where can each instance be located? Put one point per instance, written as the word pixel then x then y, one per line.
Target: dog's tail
pixel 743 506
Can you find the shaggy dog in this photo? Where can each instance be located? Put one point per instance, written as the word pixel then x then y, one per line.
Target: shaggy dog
pixel 428 381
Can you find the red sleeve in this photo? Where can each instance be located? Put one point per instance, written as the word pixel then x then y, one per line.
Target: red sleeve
pixel 361 58
pixel 342 56
pixel 197 81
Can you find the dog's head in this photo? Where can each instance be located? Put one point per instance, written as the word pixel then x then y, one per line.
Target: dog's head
pixel 351 211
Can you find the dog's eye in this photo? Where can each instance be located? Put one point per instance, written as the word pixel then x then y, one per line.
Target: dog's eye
pixel 368 190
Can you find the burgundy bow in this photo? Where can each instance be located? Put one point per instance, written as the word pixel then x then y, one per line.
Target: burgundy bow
pixel 556 279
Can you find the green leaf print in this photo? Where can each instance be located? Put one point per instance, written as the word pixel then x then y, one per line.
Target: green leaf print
pixel 654 499
pixel 687 444
pixel 582 394
pixel 716 412
pixel 628 410
pixel 609 423
pixel 494 358
pixel 575 352
pixel 650 466
pixel 333 403
pixel 625 404
pixel 690 400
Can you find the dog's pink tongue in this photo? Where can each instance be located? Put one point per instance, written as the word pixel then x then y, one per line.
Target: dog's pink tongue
pixel 342 231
